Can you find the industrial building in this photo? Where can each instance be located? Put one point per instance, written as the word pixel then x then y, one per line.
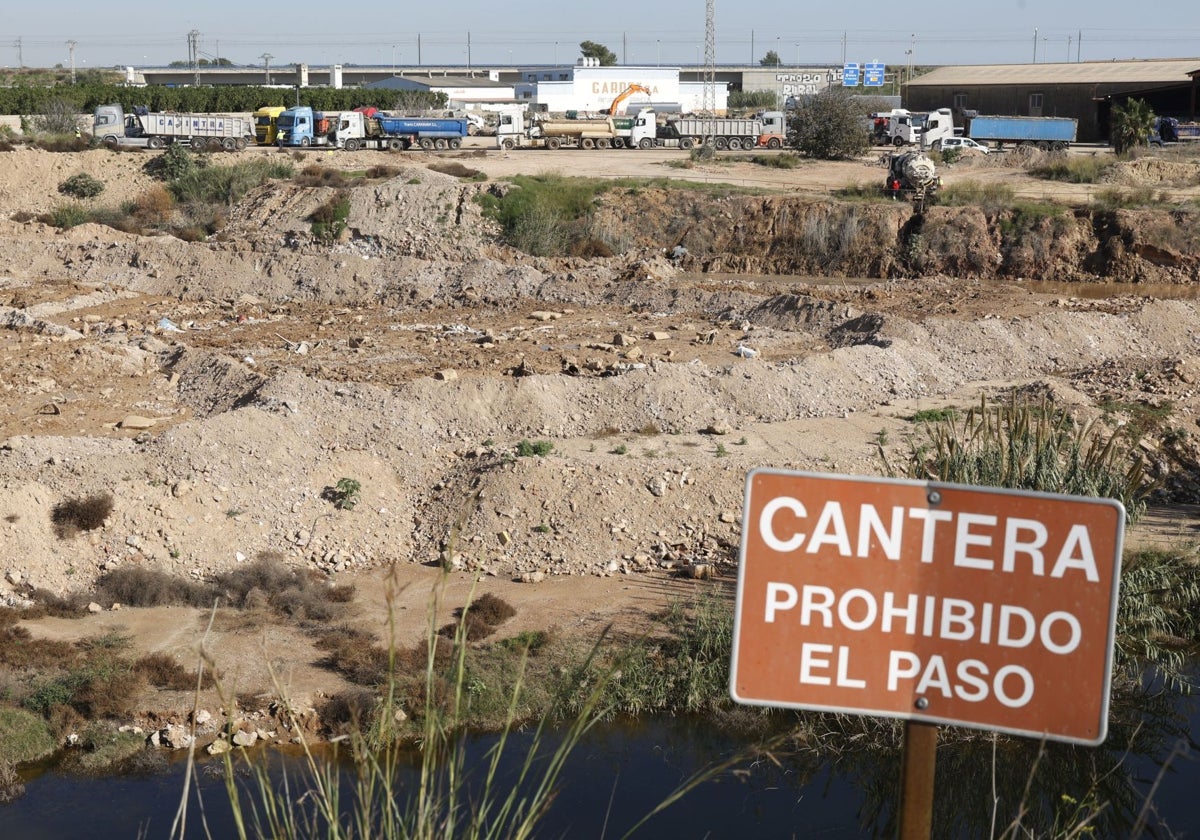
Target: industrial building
pixel 587 86
pixel 1083 90
pixel 479 91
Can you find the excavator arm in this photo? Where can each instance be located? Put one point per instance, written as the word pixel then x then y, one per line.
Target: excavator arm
pixel 625 94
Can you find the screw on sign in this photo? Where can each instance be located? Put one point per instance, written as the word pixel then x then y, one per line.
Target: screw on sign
pixel 937 603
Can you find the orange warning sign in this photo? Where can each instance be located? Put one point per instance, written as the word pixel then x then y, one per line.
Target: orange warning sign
pixel 943 603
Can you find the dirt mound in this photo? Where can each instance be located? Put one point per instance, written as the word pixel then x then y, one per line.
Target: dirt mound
pixel 1154 171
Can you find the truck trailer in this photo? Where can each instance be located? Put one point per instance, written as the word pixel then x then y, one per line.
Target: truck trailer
pixel 767 131
pixel 374 130
pixel 1047 133
pixel 637 132
pixel 142 128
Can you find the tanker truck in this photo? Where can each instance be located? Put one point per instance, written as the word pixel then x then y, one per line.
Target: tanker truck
pixel 912 175
pixel 144 129
pixel 639 132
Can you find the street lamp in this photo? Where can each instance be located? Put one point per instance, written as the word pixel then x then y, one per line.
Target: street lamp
pixel 658 41
pixel 393 59
pixel 797 55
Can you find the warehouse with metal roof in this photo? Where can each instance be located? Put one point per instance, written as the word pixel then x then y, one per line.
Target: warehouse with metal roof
pixel 1083 90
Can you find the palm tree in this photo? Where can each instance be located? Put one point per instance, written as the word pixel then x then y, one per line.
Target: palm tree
pixel 1131 125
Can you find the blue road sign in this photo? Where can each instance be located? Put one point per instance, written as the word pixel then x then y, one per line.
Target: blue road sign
pixel 873 74
pixel 850 75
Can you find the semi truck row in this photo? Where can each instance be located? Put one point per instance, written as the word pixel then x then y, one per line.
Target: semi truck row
pixel 900 127
pixel 641 131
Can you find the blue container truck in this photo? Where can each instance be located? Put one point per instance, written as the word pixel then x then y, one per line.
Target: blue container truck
pixel 357 130
pixel 1047 133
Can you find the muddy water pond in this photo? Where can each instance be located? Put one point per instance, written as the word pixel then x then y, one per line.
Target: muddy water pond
pixel 621 772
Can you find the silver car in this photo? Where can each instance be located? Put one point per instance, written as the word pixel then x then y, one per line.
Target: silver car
pixel 963 144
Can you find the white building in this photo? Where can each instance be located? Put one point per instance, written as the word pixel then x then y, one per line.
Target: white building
pixel 586 86
pixel 461 91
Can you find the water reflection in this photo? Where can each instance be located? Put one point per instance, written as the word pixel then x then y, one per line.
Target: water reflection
pixel 621 772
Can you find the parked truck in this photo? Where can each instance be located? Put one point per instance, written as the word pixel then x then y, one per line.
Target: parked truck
pixel 364 130
pixel 768 130
pixel 912 175
pixel 266 124
pixel 515 130
pixel 1047 133
pixel 304 127
pixel 145 129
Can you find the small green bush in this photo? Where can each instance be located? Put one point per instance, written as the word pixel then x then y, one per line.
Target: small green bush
pixel 81 185
pixel 539 448
pixel 329 221
pixel 345 494
pixel 783 160
pixel 64 216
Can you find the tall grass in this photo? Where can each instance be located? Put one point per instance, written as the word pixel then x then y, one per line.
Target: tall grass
pixel 1073 170
pixel 449 798
pixel 989 196
pixel 226 185
pixel 1027 446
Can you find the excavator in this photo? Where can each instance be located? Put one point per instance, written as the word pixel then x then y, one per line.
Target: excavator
pixel 623 95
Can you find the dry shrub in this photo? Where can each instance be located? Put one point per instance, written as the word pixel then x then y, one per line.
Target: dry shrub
pixel 383 171
pixel 80 513
pixel 456 169
pixel 18 649
pixel 23 216
pixel 320 176
pixel 360 664
pixel 481 619
pixel 109 694
pixel 589 248
pixel 137 586
pixel 162 670
pixel 63 719
pixel 492 609
pixel 348 710
pixel 154 207
pixel 57 606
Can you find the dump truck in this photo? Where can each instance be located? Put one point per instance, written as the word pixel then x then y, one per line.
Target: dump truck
pixel 302 126
pixel 912 175
pixel 637 132
pixel 266 122
pixel 145 129
pixel 768 130
pixel 376 130
pixel 1047 133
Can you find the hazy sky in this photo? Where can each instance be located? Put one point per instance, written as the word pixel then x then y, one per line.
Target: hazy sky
pixel 663 31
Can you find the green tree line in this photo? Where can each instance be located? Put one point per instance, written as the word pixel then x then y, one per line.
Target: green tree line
pixel 84 98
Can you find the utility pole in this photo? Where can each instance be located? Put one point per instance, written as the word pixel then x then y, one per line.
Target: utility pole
pixel 1035 45
pixel 20 59
pixel 468 51
pixel 193 41
pixel 624 48
pixel 266 57
pixel 843 49
pixel 751 46
pixel 418 49
pixel 709 106
pixel 1068 48
pixel 1078 46
pixel 71 48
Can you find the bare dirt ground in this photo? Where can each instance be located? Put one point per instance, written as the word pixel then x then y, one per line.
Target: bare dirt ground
pixel 217 390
